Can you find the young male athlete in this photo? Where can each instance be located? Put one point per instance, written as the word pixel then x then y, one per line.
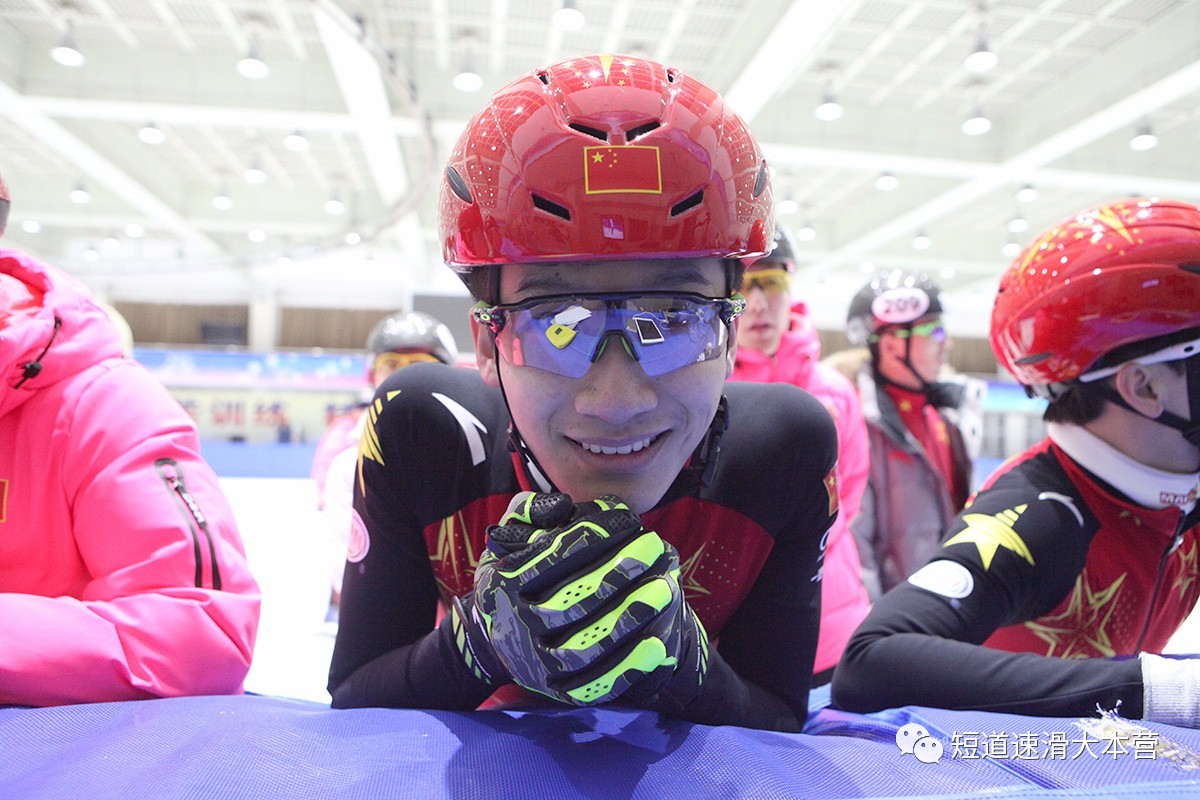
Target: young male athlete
pixel 1078 558
pixel 605 518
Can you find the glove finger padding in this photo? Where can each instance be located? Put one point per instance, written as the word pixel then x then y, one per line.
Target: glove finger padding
pixel 677 681
pixel 470 633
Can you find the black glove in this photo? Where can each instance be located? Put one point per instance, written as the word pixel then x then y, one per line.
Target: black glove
pixel 588 608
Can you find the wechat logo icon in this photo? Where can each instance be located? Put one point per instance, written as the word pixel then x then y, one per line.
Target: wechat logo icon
pixel 914 739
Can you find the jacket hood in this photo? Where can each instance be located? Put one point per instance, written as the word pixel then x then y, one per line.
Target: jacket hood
pixel 58 326
pixel 799 348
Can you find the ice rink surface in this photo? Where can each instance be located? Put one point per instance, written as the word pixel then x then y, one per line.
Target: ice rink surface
pixel 292 555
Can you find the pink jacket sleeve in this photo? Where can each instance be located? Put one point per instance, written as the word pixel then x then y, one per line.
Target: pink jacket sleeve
pixel 149 592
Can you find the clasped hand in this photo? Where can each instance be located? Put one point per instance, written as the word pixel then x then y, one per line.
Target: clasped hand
pixel 582 604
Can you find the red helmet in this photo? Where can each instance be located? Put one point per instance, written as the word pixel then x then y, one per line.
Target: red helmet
pixel 1100 280
pixel 609 157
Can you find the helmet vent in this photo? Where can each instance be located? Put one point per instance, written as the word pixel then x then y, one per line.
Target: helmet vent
pixel 458 185
pixel 641 130
pixel 691 201
pixel 672 76
pixel 550 207
pixel 595 133
pixel 544 77
pixel 1193 268
pixel 760 180
pixel 1033 358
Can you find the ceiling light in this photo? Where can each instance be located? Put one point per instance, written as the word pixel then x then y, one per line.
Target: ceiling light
pixel 468 80
pixel 221 200
pixel 256 235
pixel 66 52
pixel 335 206
pixel 788 206
pixel 254 173
pixel 1010 249
pixel 283 261
pixel 91 254
pixel 886 182
pixel 921 241
pixel 568 17
pixel 31 226
pixel 80 195
pixel 829 109
pixel 977 124
pixel 1143 139
pixel 251 66
pixel 947 272
pixel 981 59
pixel 1018 224
pixel 1027 194
pixel 296 142
pixel 111 243
pixel 806 232
pixel 134 230
pixel 151 134
pixel 353 238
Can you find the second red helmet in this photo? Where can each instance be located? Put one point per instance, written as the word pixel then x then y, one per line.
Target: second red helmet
pixel 604 157
pixel 1105 278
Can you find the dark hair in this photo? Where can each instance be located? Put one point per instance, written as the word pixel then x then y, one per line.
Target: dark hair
pixel 1083 402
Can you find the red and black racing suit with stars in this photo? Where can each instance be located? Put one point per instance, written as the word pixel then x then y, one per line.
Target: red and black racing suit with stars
pixel 1060 564
pixel 436 470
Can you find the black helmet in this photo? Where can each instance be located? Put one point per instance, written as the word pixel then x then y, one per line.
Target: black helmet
pixel 408 331
pixel 894 298
pixel 782 254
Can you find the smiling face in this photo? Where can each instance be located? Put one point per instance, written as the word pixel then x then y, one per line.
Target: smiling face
pixel 616 430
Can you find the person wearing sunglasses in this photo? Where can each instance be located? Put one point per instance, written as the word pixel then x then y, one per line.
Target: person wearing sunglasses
pixel 600 517
pixel 1057 588
pixel 920 430
pixel 396 341
pixel 778 342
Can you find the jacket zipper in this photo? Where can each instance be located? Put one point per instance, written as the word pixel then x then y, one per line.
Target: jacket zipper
pixel 197 523
pixel 1176 540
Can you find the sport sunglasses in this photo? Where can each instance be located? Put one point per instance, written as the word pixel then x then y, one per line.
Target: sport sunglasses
pixel 566 334
pixel 934 330
pixel 771 281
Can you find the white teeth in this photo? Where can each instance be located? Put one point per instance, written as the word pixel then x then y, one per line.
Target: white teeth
pixel 623 450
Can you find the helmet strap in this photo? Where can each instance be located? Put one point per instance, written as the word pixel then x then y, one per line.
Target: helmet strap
pixel 535 477
pixel 1189 428
pixel 703 463
pixel 940 394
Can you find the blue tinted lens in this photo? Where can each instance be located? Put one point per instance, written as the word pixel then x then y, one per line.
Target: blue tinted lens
pixel 566 335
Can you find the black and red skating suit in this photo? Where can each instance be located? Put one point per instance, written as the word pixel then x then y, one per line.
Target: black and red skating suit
pixel 1048 560
pixel 436 470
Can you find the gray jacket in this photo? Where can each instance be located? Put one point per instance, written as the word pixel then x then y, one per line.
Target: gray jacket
pixel 907 505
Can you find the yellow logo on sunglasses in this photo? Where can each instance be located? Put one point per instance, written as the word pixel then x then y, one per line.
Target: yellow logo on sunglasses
pixel 560 335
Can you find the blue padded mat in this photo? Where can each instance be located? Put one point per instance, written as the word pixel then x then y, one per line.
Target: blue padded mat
pixel 262 747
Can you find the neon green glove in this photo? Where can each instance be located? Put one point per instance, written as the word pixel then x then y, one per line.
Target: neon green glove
pixel 587 609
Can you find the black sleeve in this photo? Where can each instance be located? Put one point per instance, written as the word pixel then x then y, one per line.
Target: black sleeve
pixel 922 646
pixel 413 454
pixel 779 466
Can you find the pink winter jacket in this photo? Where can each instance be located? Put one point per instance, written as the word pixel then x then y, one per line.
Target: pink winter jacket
pixel 844 601
pixel 122 573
